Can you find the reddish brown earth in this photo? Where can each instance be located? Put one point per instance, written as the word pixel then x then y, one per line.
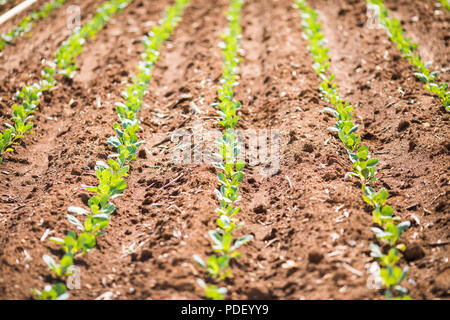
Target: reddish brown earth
pixel 11 4
pixel 420 20
pixel 36 47
pixel 14 21
pixel 306 213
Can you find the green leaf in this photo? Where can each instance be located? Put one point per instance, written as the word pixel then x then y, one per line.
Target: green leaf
pixel 56 240
pixel 212 292
pixel 226 241
pixel 332 111
pixel 372 162
pixel 86 241
pixel 375 250
pixel 240 165
pixel 222 178
pixel 387 211
pixel 363 153
pixel 216 237
pixel 78 210
pixel 403 226
pixel 199 261
pixel 241 241
pixel 75 222
pixel 50 262
pixel 66 261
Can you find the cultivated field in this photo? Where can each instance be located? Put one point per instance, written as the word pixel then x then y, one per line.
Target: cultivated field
pixel 112 188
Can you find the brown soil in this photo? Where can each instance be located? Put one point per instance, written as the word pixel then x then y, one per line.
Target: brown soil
pixel 9 5
pixel 306 212
pixel 14 21
pixel 420 20
pixel 37 47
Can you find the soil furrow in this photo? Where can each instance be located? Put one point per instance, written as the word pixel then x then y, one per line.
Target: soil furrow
pixel 311 227
pixel 42 41
pixel 404 126
pixel 21 63
pixel 171 206
pixel 74 137
pixel 429 28
pixel 14 21
pixel 9 5
pixel 303 239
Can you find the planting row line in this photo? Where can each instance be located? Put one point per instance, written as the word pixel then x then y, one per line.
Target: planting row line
pixel 111 175
pixel 64 64
pixel 27 22
pixel 409 51
pixel 230 174
pixel 364 167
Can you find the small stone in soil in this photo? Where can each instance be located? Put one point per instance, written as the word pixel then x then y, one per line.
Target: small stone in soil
pixel 258 293
pixel 75 172
pixel 308 147
pixel 260 209
pixel 84 197
pixel 412 146
pixel 91 164
pixel 142 154
pixel 403 125
pixel 413 252
pixel 315 257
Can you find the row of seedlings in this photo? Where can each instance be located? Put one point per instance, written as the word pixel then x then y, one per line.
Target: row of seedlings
pixel 27 22
pixel 111 182
pixel 64 64
pixel 409 51
pixel 230 174
pixel 388 231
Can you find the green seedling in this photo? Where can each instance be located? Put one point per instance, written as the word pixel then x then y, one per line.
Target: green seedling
pixel 6 139
pixel 390 273
pixel 126 140
pixel 111 180
pixel 382 213
pixel 22 115
pixel 212 291
pixel 63 268
pixel 55 292
pixel 391 232
pixel 217 265
pixel 73 244
pixel 225 220
pixel 393 275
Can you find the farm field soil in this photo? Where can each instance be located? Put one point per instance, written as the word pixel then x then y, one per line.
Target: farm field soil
pixel 11 4
pixel 420 20
pixel 311 227
pixel 15 20
pixel 21 62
